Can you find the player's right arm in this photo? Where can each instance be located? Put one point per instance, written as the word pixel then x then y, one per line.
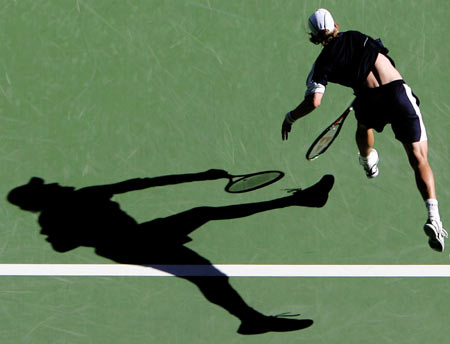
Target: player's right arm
pixel 313 99
pixel 308 105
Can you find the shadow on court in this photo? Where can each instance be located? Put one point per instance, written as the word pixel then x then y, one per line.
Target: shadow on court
pixel 88 217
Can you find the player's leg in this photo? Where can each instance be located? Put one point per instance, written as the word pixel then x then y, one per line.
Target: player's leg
pixel 370 110
pixel 409 128
pixel 368 156
pixel 364 139
pixel 418 158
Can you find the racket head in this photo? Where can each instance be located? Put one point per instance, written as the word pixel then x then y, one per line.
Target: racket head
pixel 253 181
pixel 326 138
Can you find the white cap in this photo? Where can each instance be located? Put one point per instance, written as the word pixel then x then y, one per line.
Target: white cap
pixel 321 20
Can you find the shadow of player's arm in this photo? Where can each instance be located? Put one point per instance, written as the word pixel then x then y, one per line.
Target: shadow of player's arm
pixel 145 183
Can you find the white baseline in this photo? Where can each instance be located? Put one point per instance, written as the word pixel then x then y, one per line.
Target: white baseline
pixel 232 270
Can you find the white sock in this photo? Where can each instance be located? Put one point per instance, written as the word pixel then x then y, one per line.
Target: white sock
pixel 433 209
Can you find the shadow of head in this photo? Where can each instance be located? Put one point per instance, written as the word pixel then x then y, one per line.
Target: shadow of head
pixel 36 195
pixel 61 224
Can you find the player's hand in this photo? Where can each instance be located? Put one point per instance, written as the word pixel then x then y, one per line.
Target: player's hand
pixel 285 130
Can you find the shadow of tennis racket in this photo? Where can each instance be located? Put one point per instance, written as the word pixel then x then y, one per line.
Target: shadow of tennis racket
pixel 253 181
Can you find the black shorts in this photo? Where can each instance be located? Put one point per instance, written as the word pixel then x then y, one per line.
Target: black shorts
pixel 393 103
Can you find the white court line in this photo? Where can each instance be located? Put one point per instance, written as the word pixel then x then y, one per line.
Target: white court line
pixel 228 270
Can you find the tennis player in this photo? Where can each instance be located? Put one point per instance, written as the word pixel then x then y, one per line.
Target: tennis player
pixel 360 62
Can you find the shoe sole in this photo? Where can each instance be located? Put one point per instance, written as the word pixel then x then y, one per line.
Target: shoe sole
pixel 434 243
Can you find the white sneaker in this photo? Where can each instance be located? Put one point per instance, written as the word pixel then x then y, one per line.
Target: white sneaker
pixel 433 229
pixel 370 163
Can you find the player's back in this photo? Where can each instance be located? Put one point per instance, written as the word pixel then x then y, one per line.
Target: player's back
pixel 348 59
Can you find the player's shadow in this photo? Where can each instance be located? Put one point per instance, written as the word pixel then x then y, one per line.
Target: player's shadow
pixel 88 217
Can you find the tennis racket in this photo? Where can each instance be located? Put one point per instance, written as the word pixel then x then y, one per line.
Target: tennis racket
pixel 252 181
pixel 326 138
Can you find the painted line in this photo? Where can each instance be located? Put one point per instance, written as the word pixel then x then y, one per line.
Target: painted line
pixel 225 270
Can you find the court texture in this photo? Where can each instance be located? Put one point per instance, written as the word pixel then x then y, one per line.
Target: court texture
pixel 99 92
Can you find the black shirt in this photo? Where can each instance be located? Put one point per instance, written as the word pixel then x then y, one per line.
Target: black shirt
pixel 347 60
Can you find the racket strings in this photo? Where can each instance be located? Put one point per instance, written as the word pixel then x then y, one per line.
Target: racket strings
pixel 255 181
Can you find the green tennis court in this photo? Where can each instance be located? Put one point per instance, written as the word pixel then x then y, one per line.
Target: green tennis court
pixel 97 92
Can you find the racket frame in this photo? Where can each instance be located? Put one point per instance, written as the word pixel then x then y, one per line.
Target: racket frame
pixel 233 180
pixel 339 122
